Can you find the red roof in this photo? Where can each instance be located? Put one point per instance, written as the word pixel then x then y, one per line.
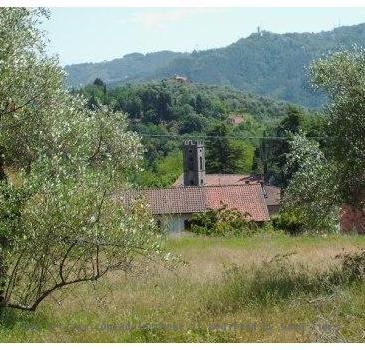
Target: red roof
pixel 235 119
pixel 247 198
pixel 273 193
pixel 222 179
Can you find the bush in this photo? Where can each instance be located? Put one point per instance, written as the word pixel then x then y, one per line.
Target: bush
pixel 289 222
pixel 222 222
pixel 353 265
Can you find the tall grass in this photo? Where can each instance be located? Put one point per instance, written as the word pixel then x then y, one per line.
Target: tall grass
pixel 244 281
pixel 279 279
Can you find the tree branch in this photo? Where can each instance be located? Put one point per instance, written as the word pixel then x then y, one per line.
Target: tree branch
pixel 64 260
pixel 14 109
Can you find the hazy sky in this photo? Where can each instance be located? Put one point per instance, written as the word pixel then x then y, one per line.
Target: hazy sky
pixel 97 34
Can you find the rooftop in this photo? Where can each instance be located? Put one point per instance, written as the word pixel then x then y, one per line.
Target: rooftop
pixel 236 119
pixel 273 193
pixel 247 198
pixel 221 179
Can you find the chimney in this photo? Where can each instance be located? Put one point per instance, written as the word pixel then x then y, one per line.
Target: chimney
pixel 194 163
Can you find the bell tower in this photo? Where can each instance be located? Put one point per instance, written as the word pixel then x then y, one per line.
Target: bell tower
pixel 194 163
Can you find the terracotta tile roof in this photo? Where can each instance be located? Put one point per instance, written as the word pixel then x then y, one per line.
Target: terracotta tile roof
pixel 273 193
pixel 221 179
pixel 235 119
pixel 247 198
pixel 171 200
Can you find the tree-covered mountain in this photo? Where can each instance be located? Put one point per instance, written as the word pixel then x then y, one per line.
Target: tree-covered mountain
pixel 134 66
pixel 263 63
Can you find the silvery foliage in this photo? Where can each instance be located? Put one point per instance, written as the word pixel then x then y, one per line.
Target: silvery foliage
pixel 323 184
pixel 58 222
pixel 342 76
pixel 313 191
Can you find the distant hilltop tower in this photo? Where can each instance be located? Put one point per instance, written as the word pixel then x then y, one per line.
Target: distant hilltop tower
pixel 194 163
pixel 259 31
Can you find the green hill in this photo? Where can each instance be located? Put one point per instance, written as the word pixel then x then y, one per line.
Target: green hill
pixel 134 66
pixel 263 63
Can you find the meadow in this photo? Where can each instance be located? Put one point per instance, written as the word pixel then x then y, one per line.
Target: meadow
pixel 264 288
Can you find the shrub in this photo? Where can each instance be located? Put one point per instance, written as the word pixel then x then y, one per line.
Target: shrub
pixel 222 222
pixel 289 222
pixel 353 265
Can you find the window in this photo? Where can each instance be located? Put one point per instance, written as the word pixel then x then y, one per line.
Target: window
pixel 201 162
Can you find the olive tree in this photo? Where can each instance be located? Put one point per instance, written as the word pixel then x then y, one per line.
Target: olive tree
pixel 312 194
pixel 342 76
pixel 62 164
pixel 330 177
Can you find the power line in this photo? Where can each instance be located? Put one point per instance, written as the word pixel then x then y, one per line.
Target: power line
pixel 234 137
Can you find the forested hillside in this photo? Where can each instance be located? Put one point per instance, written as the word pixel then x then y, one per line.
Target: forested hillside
pixel 133 66
pixel 167 112
pixel 263 63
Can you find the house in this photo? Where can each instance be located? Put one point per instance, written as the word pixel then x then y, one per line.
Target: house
pixel 195 192
pixel 272 197
pixel 272 194
pixel 173 207
pixel 180 78
pixel 235 119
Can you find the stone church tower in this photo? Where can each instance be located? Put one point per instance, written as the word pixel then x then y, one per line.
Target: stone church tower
pixel 194 163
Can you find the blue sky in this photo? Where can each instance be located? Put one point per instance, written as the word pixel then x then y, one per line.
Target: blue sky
pixel 97 34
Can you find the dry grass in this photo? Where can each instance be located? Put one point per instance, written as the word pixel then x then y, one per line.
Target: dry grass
pixel 160 305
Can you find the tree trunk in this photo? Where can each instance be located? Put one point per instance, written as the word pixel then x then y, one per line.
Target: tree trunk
pixel 3 177
pixel 2 270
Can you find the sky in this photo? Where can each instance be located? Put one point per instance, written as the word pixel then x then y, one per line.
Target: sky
pixel 79 35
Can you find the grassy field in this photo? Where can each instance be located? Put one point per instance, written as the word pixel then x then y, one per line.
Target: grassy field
pixel 266 288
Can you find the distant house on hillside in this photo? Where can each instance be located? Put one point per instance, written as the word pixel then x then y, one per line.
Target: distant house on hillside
pixel 195 192
pixel 180 78
pixel 235 119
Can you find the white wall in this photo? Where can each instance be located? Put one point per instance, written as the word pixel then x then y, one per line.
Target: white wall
pixel 173 223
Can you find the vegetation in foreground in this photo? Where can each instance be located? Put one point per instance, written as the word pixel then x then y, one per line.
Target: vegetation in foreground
pixel 263 288
pixel 59 223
